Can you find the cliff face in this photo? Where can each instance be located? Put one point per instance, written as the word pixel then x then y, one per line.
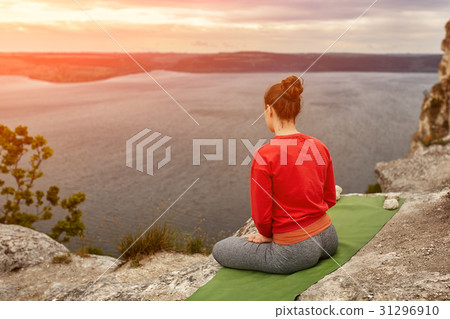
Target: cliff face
pixel 427 166
pixel 434 124
pixel 444 68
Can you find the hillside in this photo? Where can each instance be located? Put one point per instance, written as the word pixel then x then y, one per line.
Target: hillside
pixel 81 67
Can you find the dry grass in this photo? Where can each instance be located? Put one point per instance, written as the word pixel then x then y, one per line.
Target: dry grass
pixel 163 237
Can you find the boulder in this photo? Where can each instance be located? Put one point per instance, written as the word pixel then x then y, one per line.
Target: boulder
pixel 426 169
pixel 21 247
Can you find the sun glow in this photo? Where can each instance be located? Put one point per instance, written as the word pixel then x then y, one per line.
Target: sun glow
pixel 33 12
pixel 215 25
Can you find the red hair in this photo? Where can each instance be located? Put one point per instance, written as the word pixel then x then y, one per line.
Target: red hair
pixel 285 97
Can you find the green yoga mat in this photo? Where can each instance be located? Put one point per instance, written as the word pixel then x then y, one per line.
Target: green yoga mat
pixel 356 219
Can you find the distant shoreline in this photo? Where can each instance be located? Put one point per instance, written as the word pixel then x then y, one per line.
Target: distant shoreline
pixel 85 67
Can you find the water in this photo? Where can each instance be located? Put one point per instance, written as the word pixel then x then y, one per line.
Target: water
pixel 363 118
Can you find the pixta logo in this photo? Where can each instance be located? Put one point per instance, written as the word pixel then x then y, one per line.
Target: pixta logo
pixel 307 148
pixel 143 145
pixel 306 152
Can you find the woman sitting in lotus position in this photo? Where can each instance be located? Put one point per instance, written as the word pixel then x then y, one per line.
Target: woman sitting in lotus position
pixel 292 187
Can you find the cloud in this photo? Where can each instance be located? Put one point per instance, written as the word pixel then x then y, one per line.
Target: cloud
pixel 209 26
pixel 251 10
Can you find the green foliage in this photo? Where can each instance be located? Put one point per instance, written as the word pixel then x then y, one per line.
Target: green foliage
pixel 23 205
pixel 72 225
pixel 373 188
pixel 428 140
pixel 136 262
pixel 95 251
pixel 62 259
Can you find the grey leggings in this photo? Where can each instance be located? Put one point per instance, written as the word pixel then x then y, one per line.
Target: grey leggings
pixel 238 252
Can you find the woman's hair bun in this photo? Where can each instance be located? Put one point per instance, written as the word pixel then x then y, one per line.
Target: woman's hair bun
pixel 293 86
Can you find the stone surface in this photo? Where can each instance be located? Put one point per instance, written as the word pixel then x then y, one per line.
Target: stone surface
pixel 163 276
pixel 31 283
pixel 22 247
pixel 427 168
pixel 434 124
pixel 173 285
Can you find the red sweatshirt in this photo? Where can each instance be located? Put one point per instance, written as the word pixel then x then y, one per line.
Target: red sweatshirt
pixel 295 172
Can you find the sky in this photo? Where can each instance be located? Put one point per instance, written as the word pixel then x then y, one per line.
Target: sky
pixel 201 26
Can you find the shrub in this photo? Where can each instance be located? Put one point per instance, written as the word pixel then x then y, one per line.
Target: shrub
pixel 95 251
pixel 427 140
pixel 373 188
pixel 136 261
pixel 62 259
pixel 194 245
pixel 90 250
pixel 198 242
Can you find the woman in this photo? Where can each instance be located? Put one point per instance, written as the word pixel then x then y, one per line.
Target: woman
pixel 292 187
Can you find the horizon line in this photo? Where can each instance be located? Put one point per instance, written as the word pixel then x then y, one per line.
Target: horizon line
pixel 206 53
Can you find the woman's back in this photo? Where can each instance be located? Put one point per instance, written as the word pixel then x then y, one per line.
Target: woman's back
pixel 292 180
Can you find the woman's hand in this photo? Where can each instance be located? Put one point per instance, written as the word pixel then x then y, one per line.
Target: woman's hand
pixel 258 238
